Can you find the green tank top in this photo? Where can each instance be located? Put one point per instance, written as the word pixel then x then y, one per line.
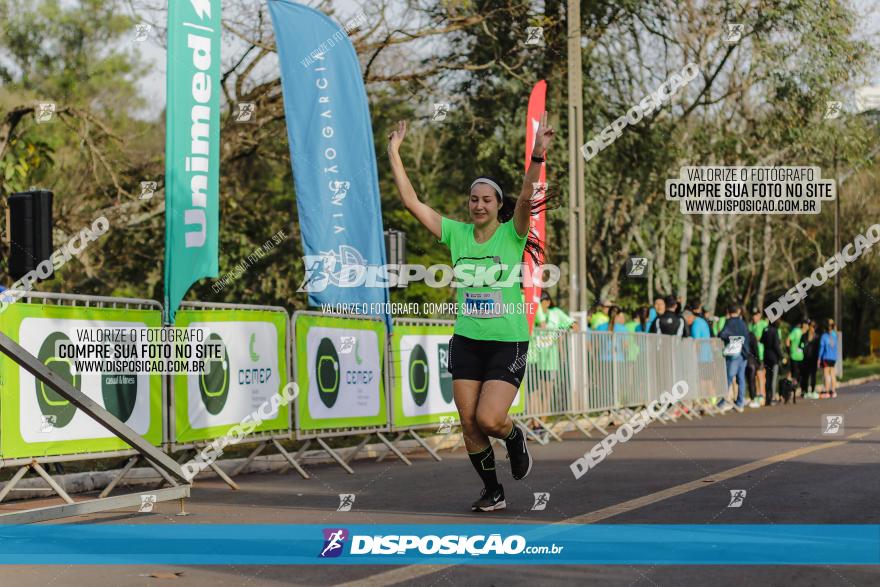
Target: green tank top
pixel 490 302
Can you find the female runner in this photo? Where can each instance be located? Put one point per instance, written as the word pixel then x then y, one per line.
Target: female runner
pixel 487 353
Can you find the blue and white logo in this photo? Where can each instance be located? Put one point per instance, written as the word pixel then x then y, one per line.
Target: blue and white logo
pixel 334 541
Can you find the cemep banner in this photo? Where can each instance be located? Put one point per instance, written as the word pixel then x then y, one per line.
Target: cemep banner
pixel 240 388
pixel 333 157
pixel 192 147
pixel 422 392
pixel 339 372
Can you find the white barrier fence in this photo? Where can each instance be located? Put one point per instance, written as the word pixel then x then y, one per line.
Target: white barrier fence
pixel 370 384
pixel 573 374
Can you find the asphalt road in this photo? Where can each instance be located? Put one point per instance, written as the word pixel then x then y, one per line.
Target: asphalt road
pixel 678 473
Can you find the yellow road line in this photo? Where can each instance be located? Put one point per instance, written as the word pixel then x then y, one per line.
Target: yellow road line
pixel 411 572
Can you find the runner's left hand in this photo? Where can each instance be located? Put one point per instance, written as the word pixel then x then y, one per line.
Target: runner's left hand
pixel 543 135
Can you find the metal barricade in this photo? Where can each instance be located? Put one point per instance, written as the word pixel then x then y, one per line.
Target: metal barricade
pixel 613 372
pixel 711 368
pixel 324 423
pixel 212 433
pixel 135 418
pixel 420 387
pixel 547 382
pixel 601 354
pixel 85 302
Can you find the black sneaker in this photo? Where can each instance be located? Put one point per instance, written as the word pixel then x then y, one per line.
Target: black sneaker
pixel 518 453
pixel 490 501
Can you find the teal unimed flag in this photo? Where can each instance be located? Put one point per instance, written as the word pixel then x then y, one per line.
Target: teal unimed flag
pixel 333 158
pixel 192 147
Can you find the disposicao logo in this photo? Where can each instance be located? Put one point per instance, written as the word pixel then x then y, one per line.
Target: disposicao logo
pixel 214 382
pixel 327 372
pixel 334 542
pixel 432 544
pixel 50 402
pixel 493 544
pixel 418 375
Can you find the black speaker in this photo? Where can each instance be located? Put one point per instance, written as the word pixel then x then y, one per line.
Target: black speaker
pixel 395 247
pixel 29 226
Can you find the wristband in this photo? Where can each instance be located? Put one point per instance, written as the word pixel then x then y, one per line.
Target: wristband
pixel 537 159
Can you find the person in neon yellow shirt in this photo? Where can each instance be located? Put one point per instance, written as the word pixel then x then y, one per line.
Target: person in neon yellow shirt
pixel 757 327
pixel 795 354
pixel 600 316
pixel 551 319
pixel 489 347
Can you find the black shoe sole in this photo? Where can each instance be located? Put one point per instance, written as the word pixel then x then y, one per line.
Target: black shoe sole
pixel 528 454
pixel 498 506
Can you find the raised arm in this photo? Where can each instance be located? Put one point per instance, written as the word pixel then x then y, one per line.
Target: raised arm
pixel 522 215
pixel 423 213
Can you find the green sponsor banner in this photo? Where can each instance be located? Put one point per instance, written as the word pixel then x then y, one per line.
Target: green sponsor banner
pixel 192 147
pixel 422 391
pixel 339 372
pixel 237 389
pixel 422 381
pixel 519 401
pixel 37 421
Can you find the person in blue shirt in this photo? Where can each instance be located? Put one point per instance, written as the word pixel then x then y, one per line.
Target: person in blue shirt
pixel 828 358
pixel 616 321
pixel 698 326
pixel 640 320
pixel 736 348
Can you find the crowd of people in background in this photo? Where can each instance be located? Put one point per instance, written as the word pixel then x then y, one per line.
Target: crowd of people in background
pixel 767 360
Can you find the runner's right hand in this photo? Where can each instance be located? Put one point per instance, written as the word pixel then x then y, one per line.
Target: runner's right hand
pixel 395 137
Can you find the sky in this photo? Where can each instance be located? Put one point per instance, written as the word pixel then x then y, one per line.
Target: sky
pixel 152 51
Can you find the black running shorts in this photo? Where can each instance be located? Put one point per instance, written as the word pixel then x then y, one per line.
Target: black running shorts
pixel 482 360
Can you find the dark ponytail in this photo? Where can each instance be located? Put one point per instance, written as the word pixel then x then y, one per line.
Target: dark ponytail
pixel 541 202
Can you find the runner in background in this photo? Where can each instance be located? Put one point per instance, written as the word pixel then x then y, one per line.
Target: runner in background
pixel 657 309
pixel 489 347
pixel 757 327
pixel 551 316
pixel 734 335
pixel 772 359
pixel 669 322
pixel 600 315
pixel 718 324
pixel 697 325
pixel 795 354
pixel 810 345
pixel 828 359
pixel 545 357
pixel 639 320
pixel 699 330
pixel 752 370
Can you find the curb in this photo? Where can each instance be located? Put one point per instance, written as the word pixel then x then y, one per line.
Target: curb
pixel 93 481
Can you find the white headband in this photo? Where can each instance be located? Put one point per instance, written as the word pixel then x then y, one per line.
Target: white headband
pixel 489 182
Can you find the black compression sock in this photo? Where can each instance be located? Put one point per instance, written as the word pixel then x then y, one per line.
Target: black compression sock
pixel 484 462
pixel 514 435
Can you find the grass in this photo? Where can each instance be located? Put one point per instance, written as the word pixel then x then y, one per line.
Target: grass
pixel 860 367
